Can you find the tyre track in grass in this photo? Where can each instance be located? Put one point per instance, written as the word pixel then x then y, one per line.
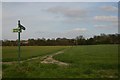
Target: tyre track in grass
pixel 50 60
pixel 47 59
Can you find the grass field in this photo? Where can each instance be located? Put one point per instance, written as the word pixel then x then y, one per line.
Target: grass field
pixel 11 53
pixel 91 61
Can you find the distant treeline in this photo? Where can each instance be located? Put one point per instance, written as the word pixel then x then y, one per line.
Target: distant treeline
pixel 79 40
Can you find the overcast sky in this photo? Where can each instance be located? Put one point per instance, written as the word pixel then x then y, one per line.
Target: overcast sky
pixel 59 19
pixel 59 0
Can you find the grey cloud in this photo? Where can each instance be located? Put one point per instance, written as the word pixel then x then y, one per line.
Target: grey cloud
pixel 105 26
pixel 109 8
pixel 68 12
pixel 111 20
pixel 68 34
pixel 106 18
pixel 101 26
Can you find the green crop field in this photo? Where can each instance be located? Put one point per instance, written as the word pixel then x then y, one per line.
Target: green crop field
pixel 89 61
pixel 11 53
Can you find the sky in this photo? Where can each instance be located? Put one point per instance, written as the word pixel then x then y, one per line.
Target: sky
pixel 59 19
pixel 59 0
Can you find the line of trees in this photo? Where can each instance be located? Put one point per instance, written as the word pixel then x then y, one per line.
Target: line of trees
pixel 79 40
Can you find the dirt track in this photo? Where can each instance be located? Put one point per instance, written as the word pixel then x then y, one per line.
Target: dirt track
pixel 48 59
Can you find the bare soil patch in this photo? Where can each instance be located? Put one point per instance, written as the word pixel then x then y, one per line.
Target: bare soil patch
pixel 49 59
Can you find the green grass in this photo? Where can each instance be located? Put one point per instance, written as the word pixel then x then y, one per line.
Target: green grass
pixel 11 53
pixel 90 54
pixel 94 61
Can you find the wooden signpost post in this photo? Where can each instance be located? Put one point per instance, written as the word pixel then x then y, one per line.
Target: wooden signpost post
pixel 19 30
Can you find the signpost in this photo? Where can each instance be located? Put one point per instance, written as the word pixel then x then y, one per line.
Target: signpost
pixel 16 30
pixel 19 30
